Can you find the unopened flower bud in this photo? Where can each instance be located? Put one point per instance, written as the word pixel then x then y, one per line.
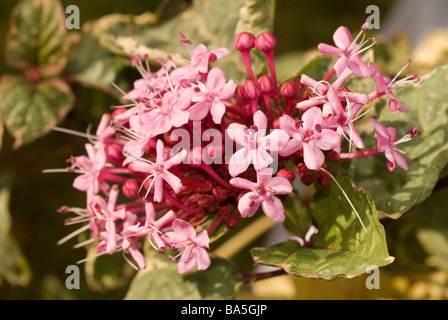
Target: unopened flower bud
pixel 289 90
pixel 266 84
pixel 276 123
pixel 195 156
pixel 220 193
pixel 265 42
pixel 244 41
pixel 114 153
pixel 324 180
pixel 287 173
pixel 130 188
pixel 117 112
pixel 251 90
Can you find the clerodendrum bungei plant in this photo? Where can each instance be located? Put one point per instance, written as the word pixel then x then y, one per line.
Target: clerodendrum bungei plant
pixel 190 154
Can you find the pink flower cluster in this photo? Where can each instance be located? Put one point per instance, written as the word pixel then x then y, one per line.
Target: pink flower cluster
pixel 140 184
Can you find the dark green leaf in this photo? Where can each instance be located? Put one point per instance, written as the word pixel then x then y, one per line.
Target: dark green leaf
pixel 31 110
pixel 37 36
pixel 107 272
pixel 298 219
pixel 341 248
pixel 204 22
pixel 396 192
pixel 161 281
pixel 14 267
pixel 432 226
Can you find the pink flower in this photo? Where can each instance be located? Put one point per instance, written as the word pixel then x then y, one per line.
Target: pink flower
pixel 321 89
pixel 255 144
pixel 384 86
pixel 158 171
pixel 211 96
pixel 91 168
pixel 106 214
pixel 349 51
pixel 309 134
pixel 341 119
pixel 167 113
pixel 262 193
pixel 155 227
pixel 194 253
pixel 386 142
pixel 132 232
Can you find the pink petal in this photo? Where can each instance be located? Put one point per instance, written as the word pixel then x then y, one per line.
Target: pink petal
pixel 203 260
pixel 280 185
pixel 311 117
pixel 327 140
pixel 239 162
pixel 288 124
pixel 400 160
pixel 172 180
pixel 260 120
pixel 359 68
pixel 83 183
pixel 158 188
pixel 340 65
pixel 342 38
pixel 160 154
pixel 330 50
pixel 138 257
pixel 236 132
pixel 390 159
pixel 380 128
pixel 217 110
pixel 179 118
pixel 248 204
pixel 176 159
pixel 227 91
pixel 292 146
pixel 273 208
pixel 183 230
pixel 314 157
pixel 242 183
pixel 275 141
pixel 187 261
pixel 261 159
pixel 215 79
pixel 199 110
pixel 202 239
pixel 162 125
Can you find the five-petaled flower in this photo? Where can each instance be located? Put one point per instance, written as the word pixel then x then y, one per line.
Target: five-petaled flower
pixel 194 253
pixel 256 144
pixel 263 193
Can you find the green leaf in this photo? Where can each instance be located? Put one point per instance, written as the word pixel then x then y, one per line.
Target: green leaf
pixel 297 216
pixel 204 22
pixel 37 36
pixel 107 272
pixel 14 267
pixel 316 68
pixel 341 248
pixel 432 227
pixel 95 66
pixel 31 110
pixel 161 281
pixel 396 192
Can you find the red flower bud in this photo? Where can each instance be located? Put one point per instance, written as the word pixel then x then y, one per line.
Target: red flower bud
pixel 251 90
pixel 266 84
pixel 289 90
pixel 265 42
pixel 130 188
pixel 244 41
pixel 287 173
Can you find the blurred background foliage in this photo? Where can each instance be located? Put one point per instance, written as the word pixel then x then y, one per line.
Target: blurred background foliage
pixel 420 247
